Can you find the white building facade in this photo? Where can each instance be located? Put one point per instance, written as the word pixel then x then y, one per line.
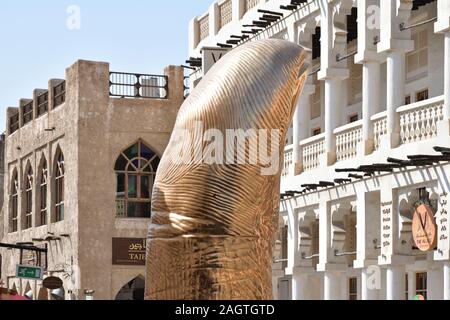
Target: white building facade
pixel 379 88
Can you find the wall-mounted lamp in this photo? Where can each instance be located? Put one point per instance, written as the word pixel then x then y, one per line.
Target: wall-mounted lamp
pixel 89 294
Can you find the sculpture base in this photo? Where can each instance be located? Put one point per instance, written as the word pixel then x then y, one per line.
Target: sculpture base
pixel 208 268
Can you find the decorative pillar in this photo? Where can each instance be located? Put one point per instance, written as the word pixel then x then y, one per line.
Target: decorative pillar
pixel 333 72
pixel 391 245
pixel 370 60
pixel 396 77
pixel 302 116
pixel 395 44
pixel 395 283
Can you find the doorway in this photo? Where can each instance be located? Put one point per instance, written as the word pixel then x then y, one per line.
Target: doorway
pixel 133 290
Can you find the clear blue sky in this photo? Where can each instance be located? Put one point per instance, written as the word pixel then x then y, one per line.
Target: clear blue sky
pixel 132 35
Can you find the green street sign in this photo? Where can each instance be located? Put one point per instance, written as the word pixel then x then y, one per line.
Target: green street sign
pixel 29 272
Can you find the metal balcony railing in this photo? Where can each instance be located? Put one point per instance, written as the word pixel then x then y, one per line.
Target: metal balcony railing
pixel 135 85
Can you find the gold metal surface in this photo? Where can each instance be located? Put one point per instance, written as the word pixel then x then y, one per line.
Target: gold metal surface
pixel 213 225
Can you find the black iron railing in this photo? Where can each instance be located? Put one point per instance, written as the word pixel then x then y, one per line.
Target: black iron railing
pixel 59 94
pixel 14 123
pixel 27 112
pixel 42 104
pixel 135 85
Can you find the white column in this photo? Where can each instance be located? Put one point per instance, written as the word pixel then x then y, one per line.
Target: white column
pixel 435 285
pixel 396 76
pixel 395 283
pixel 292 238
pixel 300 286
pixel 332 288
pixel 214 19
pixel 370 101
pixel 443 26
pixel 394 43
pixel 302 118
pixel 447 76
pixel 446 280
pixel 370 60
pixel 332 97
pixel 238 9
pixel 194 35
pixel 333 72
pixel 411 285
pixel 368 292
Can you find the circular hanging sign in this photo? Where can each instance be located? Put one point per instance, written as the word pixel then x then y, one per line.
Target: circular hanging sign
pixel 52 283
pixel 424 228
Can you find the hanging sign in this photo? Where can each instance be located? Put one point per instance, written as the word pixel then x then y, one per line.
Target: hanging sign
pixel 424 228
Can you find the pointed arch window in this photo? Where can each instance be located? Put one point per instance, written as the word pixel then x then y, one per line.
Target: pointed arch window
pixel 59 187
pixel 28 214
pixel 135 170
pixel 43 185
pixel 14 202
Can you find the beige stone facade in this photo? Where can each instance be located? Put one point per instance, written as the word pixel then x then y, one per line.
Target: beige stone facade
pixel 90 128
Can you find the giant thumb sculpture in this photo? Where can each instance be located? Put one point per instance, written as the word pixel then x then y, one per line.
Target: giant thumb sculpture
pixel 216 197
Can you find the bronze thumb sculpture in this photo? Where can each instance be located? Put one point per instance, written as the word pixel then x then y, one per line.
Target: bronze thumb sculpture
pixel 216 196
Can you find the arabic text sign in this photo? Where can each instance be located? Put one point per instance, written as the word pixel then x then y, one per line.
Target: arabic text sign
pixel 129 251
pixel 424 228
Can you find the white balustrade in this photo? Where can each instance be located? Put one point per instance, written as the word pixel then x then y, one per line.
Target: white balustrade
pixel 418 121
pixel 347 139
pixel 288 160
pixel 312 149
pixel 379 128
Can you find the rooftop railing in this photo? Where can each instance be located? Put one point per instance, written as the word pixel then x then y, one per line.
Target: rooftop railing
pixel 14 123
pixel 42 104
pixel 135 85
pixel 59 94
pixel 27 112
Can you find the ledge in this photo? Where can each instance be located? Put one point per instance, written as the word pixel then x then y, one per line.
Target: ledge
pixel 313 139
pixel 349 127
pixel 421 104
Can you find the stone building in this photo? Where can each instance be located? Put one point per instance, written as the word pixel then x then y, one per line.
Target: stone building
pixel 379 88
pixel 80 160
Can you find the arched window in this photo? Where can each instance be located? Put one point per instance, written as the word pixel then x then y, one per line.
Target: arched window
pixel 135 169
pixel 14 202
pixel 43 184
pixel 59 187
pixel 28 214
